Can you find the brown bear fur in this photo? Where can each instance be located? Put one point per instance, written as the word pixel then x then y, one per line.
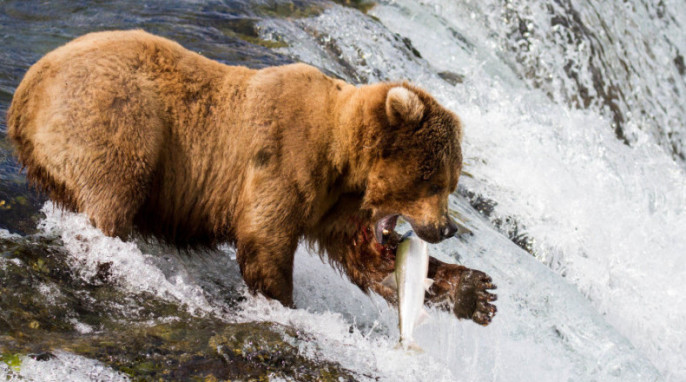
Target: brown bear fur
pixel 141 134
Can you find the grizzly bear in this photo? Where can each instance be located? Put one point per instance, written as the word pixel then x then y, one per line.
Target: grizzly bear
pixel 145 136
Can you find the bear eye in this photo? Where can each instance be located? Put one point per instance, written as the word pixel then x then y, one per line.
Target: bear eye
pixel 434 189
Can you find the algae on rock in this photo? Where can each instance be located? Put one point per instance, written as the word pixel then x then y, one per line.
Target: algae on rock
pixel 45 308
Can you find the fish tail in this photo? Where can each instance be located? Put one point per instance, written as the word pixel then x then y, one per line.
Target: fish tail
pixel 409 346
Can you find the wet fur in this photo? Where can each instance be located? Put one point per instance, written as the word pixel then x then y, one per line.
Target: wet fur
pixel 141 134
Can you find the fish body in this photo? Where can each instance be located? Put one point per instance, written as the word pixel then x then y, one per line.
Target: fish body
pixel 409 278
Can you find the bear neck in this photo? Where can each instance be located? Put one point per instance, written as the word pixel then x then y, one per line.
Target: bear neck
pixel 361 119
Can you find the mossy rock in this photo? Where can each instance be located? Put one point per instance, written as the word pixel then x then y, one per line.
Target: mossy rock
pixel 290 9
pixel 44 307
pixel 362 5
pixel 13 361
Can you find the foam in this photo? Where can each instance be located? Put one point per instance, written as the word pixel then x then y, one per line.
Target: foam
pixel 62 367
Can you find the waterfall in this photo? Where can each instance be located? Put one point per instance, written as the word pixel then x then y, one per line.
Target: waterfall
pixel 574 185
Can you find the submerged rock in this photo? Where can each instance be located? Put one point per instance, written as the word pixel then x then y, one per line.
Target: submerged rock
pixel 19 205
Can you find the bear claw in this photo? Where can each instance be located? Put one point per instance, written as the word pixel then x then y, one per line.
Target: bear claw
pixel 466 292
pixel 472 298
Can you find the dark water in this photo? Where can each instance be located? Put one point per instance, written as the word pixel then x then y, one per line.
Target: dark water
pixel 221 30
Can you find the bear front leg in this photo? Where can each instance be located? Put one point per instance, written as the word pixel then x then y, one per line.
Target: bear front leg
pixel 267 267
pixel 349 242
pixel 267 233
pixel 464 291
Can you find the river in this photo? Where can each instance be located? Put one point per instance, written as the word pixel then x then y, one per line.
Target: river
pixel 575 193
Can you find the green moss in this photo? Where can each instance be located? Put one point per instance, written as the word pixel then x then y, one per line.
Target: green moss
pixel 41 298
pixel 289 9
pixel 265 43
pixel 245 29
pixel 21 200
pixel 12 360
pixel 362 5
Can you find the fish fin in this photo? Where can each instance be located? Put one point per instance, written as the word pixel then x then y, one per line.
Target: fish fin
pixel 422 317
pixel 390 281
pixel 428 283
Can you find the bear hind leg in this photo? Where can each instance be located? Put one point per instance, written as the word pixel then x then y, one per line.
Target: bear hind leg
pixel 112 198
pixel 114 149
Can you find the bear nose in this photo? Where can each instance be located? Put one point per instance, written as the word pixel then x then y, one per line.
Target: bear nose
pixel 449 229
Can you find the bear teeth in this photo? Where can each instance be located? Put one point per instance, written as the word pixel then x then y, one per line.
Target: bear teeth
pixel 384 226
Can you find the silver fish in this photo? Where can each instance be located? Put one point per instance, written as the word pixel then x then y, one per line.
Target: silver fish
pixel 409 279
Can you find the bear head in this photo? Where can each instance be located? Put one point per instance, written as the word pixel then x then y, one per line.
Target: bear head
pixel 416 165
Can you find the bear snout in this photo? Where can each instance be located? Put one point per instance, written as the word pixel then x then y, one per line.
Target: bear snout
pixel 435 233
pixel 449 229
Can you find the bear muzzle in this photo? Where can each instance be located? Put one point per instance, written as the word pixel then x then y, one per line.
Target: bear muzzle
pixel 432 233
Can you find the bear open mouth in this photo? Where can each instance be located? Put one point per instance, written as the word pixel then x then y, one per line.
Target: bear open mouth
pixel 384 227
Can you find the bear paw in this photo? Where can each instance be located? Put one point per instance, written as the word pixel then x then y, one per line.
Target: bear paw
pixel 467 290
pixel 472 298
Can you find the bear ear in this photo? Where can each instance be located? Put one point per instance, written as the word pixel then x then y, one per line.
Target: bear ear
pixel 403 105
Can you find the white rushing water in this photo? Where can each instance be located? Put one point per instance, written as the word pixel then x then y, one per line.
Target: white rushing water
pixel 62 367
pixel 550 331
pixel 604 296
pixel 607 217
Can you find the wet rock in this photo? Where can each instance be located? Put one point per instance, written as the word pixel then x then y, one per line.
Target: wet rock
pixel 290 9
pixel 362 5
pixel 507 225
pixel 410 47
pixel 451 77
pixel 679 63
pixel 45 356
pixel 256 345
pixel 45 307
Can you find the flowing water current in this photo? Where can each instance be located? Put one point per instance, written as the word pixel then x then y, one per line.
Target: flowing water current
pixel 575 192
